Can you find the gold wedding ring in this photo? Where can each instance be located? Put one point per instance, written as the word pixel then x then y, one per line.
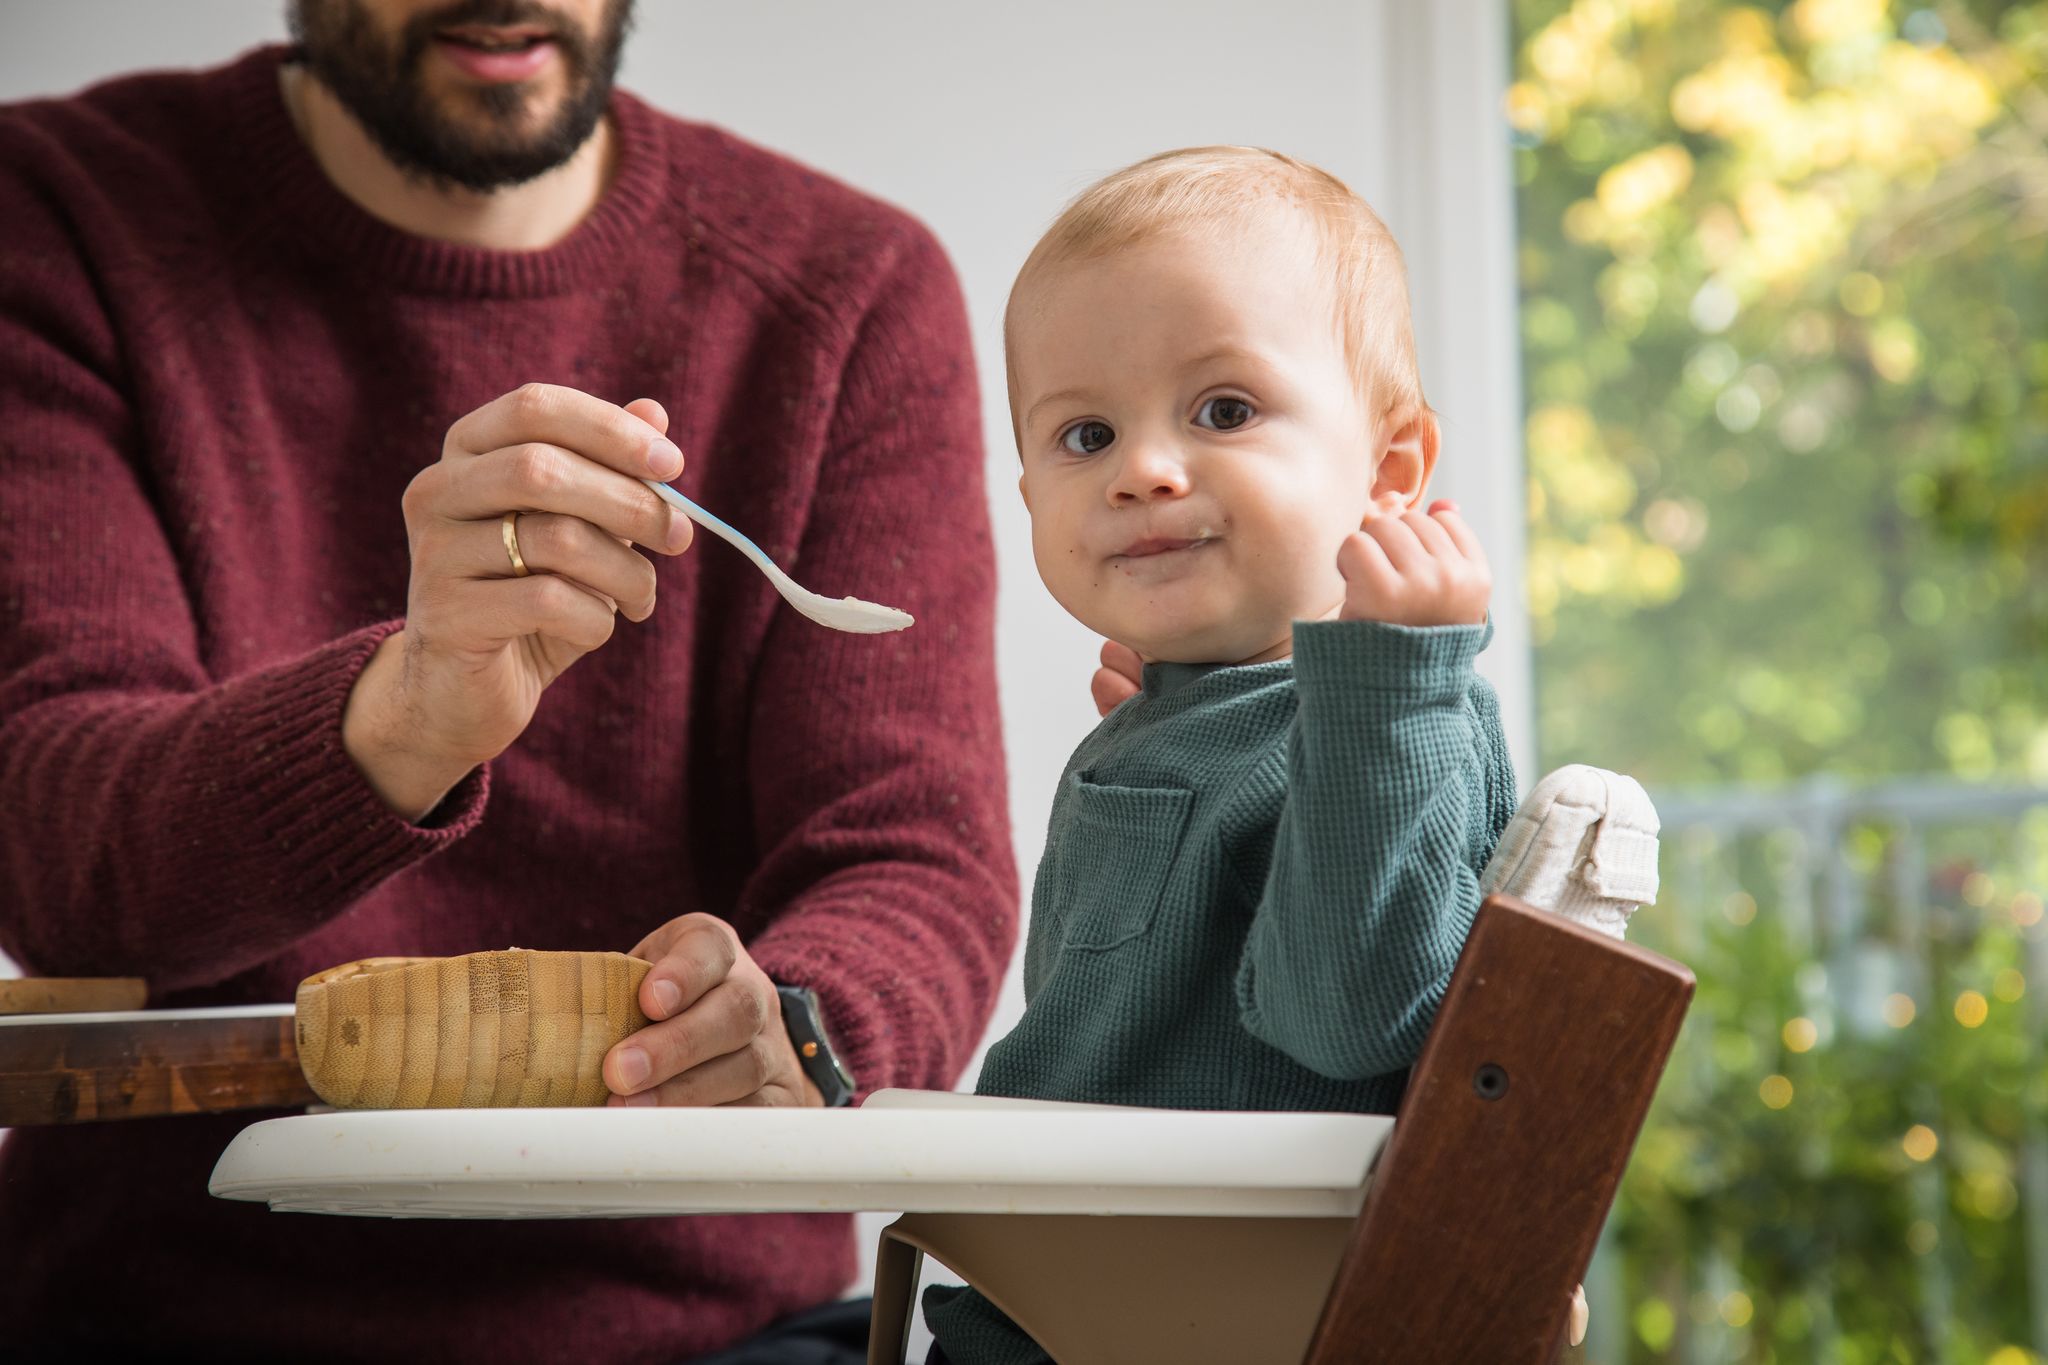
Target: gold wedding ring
pixel 511 530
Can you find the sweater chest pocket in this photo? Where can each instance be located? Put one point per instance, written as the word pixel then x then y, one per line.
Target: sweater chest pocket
pixel 1114 860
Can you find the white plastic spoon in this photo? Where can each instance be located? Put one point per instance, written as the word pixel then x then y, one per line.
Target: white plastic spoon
pixel 840 613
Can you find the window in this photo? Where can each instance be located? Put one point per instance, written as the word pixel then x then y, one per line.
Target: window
pixel 1784 320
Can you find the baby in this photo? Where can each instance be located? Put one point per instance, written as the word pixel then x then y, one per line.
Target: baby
pixel 1259 870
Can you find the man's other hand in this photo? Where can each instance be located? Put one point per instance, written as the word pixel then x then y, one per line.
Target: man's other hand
pixel 717 1035
pixel 1119 678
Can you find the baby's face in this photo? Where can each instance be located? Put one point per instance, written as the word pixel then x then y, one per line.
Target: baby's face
pixel 1194 447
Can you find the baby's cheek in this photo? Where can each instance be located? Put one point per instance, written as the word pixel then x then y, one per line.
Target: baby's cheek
pixel 1054 552
pixel 1300 577
pixel 1076 583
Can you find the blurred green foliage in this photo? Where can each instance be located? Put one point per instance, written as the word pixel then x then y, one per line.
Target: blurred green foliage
pixel 1785 324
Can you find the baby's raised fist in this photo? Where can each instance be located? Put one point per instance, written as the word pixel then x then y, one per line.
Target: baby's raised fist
pixel 1415 569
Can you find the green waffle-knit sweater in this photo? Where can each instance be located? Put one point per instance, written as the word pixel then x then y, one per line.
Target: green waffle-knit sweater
pixel 1255 884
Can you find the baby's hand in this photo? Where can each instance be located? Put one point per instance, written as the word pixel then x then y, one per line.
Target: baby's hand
pixel 1415 570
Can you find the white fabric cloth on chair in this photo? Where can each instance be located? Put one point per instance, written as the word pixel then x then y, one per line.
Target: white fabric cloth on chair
pixel 1583 843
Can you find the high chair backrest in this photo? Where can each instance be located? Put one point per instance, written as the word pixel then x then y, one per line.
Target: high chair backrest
pixel 1509 1146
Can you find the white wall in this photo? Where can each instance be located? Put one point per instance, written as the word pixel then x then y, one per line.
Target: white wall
pixel 983 119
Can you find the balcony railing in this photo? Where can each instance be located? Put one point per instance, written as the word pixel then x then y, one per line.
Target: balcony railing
pixel 1857 931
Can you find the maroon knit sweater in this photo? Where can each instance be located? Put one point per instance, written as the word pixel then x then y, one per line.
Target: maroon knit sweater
pixel 217 376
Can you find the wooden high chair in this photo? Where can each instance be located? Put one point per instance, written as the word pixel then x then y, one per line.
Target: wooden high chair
pixel 1478 1220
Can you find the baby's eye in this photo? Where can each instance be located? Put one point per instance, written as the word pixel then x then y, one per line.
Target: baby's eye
pixel 1087 438
pixel 1224 414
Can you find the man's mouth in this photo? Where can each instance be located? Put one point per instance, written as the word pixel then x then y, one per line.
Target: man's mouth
pixel 515 38
pixel 497 54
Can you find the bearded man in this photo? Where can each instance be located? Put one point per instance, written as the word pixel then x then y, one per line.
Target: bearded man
pixel 328 382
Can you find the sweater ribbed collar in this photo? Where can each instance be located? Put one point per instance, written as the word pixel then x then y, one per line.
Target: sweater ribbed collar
pixel 309 207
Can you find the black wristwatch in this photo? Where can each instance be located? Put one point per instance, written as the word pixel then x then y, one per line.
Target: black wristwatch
pixel 805 1021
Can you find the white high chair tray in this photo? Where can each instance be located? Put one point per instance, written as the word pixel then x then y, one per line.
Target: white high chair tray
pixel 902 1151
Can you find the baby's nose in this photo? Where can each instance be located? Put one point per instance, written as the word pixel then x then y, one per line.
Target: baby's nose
pixel 1150 473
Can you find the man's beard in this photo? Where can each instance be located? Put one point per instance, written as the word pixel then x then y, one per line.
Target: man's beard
pixel 380 82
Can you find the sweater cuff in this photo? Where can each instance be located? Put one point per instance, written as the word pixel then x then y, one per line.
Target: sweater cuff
pixel 1420 661
pixel 307 800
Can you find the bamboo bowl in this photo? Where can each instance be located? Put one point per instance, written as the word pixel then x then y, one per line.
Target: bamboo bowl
pixel 518 1028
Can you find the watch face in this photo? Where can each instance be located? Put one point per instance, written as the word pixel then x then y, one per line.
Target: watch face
pixel 805 1020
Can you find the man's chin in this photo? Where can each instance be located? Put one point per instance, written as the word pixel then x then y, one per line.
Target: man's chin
pixel 487 115
pixel 485 149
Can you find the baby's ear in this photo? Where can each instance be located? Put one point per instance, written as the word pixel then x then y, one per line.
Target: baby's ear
pixel 1024 492
pixel 1404 460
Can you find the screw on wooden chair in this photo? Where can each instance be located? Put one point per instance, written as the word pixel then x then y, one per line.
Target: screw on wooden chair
pixel 1491 1081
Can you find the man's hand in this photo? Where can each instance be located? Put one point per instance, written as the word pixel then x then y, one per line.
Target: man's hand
pixel 481 641
pixel 718 1036
pixel 1415 570
pixel 1119 679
